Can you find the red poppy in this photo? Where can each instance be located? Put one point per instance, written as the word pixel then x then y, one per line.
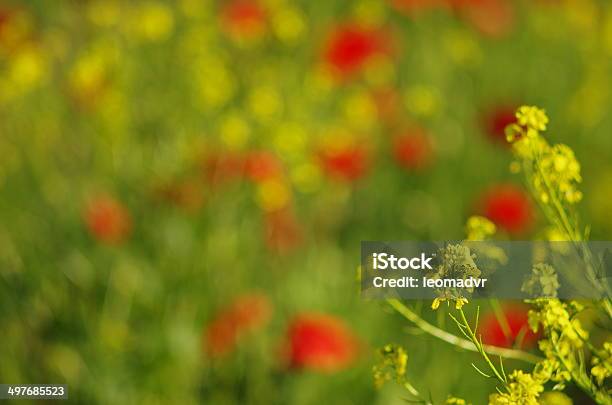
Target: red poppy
pixel 320 342
pixel 517 331
pixel 243 19
pixel 282 231
pixel 246 314
pixel 351 47
pixel 509 207
pixel 348 162
pixel 261 166
pixel 107 220
pixel 494 18
pixel 495 122
pixel 413 150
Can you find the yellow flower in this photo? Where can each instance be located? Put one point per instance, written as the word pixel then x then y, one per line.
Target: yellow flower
pixel 460 303
pixel 533 118
pixel 392 365
pixel 479 228
pixel 602 364
pixel 436 303
pixel 522 389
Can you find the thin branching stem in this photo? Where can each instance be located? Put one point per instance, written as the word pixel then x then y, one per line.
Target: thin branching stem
pixel 456 340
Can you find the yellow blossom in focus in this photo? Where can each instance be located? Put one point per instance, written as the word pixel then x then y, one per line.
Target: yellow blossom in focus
pixel 522 389
pixel 602 364
pixel 533 118
pixel 436 303
pixel 460 302
pixel 152 21
pixel 272 195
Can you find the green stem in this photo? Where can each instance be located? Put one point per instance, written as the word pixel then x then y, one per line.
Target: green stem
pixel 479 347
pixel 457 341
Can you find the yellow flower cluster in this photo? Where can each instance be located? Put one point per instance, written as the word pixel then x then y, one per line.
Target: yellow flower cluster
pixel 392 365
pixel 479 228
pixel 523 389
pixel 564 336
pixel 533 118
pixel 553 170
pixel 542 282
pixel 602 364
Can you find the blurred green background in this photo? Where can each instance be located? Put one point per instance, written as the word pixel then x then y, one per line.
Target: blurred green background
pixel 162 160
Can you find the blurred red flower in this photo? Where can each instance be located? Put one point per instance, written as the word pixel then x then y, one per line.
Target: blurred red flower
pixel 262 165
pixel 413 149
pixel 107 219
pixel 282 231
pixel 495 121
pixel 320 342
pixel 509 207
pixel 243 19
pixel 244 315
pixel 518 328
pixel 351 46
pixel 347 162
